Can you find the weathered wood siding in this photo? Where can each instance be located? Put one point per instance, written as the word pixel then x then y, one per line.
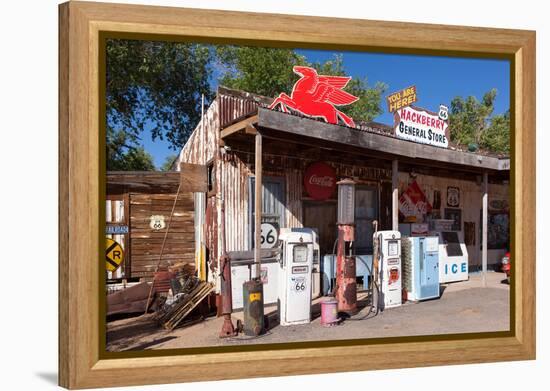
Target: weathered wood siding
pixel 146 243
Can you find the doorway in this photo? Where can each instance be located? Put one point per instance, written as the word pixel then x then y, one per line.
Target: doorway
pixel 322 217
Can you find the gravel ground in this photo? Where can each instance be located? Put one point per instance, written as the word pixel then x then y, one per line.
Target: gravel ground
pixel 464 307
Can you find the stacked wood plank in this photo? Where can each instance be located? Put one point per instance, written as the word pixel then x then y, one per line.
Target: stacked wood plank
pixel 173 315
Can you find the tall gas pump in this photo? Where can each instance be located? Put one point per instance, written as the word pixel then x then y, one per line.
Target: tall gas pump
pixel 295 276
pixel 389 274
pixel 346 284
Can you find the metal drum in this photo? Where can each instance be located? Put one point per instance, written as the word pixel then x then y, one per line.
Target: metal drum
pixel 253 302
pixel 329 312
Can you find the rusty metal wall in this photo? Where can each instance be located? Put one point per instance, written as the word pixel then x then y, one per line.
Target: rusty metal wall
pixel 202 145
pixel 234 189
pixel 294 212
pixel 232 108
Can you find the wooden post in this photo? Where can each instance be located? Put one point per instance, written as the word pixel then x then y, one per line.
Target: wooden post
pixel 395 195
pixel 258 206
pixel 484 229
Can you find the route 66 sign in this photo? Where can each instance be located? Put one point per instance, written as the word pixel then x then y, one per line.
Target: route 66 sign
pixel 157 222
pixel 269 235
pixel 453 196
pixel 298 284
pixel 443 112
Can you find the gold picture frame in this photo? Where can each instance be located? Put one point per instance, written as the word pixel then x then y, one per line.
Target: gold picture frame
pixel 82 30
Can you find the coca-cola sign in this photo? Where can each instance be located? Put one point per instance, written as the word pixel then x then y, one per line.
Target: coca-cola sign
pixel 413 203
pixel 320 181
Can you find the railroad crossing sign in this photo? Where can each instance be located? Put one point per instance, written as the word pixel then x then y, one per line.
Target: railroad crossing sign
pixel 114 255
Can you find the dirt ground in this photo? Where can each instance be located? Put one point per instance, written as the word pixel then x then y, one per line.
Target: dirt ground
pixel 464 307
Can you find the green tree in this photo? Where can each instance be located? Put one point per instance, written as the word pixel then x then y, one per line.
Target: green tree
pixel 468 117
pixel 264 71
pixel 268 71
pixel 496 137
pixel 168 162
pixel 369 105
pixel 124 155
pixel 157 86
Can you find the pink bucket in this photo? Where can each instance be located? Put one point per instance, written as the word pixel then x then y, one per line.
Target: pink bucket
pixel 329 312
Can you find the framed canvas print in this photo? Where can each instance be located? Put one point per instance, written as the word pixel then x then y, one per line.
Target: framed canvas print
pixel 240 194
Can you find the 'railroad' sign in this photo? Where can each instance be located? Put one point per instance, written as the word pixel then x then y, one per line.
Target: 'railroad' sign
pixel 114 255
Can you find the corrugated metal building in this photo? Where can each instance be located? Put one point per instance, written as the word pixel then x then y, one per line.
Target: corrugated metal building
pixel 381 164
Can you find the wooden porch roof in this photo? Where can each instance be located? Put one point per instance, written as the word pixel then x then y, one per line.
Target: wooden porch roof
pixel 298 129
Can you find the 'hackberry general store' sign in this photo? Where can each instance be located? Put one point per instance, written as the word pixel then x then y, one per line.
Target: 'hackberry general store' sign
pixel 421 126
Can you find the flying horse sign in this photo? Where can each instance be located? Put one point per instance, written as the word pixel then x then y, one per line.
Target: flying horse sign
pixel 316 95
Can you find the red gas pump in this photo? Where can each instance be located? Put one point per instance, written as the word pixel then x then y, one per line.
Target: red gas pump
pixel 346 284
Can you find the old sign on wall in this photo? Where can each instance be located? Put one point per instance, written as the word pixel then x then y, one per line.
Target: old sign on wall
pixel 269 235
pixel 421 126
pixel 112 229
pixel 405 97
pixel 413 203
pixel 156 222
pixel 453 196
pixel 114 255
pixel 320 181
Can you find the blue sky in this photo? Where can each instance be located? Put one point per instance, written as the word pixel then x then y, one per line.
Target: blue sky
pixel 437 79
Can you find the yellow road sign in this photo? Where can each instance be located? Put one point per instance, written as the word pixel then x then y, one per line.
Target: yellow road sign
pixel 114 255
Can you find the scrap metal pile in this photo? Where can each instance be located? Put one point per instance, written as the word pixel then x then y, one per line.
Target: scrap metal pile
pixel 187 293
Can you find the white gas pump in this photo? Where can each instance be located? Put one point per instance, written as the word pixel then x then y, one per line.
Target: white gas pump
pixel 390 268
pixel 295 277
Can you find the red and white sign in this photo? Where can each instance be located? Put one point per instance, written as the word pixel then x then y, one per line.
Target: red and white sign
pixel 320 181
pixel 413 202
pixel 421 126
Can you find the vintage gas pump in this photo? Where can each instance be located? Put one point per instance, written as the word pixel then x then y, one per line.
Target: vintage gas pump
pixel 295 277
pixel 389 250
pixel 346 284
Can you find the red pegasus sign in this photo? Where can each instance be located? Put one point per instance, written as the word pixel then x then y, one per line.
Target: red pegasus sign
pixel 316 95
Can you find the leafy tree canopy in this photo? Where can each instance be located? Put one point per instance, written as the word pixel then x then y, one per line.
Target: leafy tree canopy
pixel 369 105
pixel 124 155
pixel 496 136
pixel 264 71
pixel 472 121
pixel 158 84
pixel 168 162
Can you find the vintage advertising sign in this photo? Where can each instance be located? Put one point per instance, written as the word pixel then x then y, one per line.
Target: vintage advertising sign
pixel 320 181
pixel 421 126
pixel 315 95
pixel 413 203
pixel 400 99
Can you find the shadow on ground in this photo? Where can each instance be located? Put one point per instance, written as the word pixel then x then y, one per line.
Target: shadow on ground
pixel 48 377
